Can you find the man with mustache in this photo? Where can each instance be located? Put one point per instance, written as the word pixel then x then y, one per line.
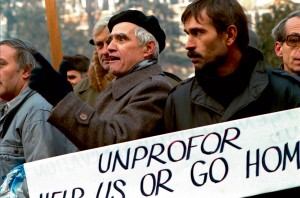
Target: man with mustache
pixel 231 80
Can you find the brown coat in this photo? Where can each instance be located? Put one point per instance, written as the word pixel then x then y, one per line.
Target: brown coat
pixel 129 108
pixel 97 80
pixel 89 88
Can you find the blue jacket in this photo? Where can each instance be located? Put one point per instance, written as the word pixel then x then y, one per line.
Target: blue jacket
pixel 25 134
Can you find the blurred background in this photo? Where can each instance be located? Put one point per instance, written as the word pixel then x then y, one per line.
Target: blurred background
pixel 26 19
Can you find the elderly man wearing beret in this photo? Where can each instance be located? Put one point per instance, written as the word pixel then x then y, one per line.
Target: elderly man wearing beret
pixel 132 105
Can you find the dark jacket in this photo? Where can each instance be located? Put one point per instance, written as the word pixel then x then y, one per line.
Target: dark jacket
pixel 280 69
pixel 269 90
pixel 131 107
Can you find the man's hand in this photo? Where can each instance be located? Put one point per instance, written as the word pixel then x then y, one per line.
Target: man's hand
pixel 52 85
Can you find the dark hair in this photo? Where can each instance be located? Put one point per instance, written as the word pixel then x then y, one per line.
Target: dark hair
pixel 222 14
pixel 278 32
pixel 77 62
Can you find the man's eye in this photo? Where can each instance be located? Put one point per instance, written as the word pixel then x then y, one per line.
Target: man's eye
pixel 99 45
pixel 71 77
pixel 121 38
pixel 109 39
pixel 293 39
pixel 2 63
pixel 195 33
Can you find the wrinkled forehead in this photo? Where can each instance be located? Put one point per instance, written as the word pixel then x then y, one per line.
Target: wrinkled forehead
pixel 124 27
pixel 102 35
pixel 202 17
pixel 293 25
pixel 7 51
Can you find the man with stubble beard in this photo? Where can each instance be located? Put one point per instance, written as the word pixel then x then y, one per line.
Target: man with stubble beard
pixel 231 80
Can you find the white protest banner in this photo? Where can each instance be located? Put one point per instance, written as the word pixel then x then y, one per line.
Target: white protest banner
pixel 232 159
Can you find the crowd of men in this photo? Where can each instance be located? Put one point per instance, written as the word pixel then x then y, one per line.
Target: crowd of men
pixel 126 95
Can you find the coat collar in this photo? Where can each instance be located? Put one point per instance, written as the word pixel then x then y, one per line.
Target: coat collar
pixel 17 100
pixel 83 85
pixel 13 109
pixel 258 83
pixel 122 85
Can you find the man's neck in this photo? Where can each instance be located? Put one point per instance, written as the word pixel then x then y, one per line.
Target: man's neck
pixel 291 71
pixel 231 64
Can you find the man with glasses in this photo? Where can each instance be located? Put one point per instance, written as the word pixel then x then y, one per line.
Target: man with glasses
pixel 287 42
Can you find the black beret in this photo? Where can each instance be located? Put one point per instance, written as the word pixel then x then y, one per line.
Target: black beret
pixel 150 23
pixel 91 41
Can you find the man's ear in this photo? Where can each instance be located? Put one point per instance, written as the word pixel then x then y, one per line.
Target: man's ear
pixel 231 34
pixel 149 48
pixel 26 73
pixel 278 49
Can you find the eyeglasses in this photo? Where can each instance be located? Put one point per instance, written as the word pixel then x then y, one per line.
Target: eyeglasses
pixel 292 40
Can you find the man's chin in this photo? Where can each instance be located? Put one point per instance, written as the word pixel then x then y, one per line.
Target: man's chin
pixel 105 66
pixel 198 66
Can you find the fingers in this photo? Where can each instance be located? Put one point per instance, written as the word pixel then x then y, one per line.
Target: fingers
pixel 43 61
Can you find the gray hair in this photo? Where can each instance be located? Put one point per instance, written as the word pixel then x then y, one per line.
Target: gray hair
pixel 25 51
pixel 144 36
pixel 100 25
pixel 279 32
